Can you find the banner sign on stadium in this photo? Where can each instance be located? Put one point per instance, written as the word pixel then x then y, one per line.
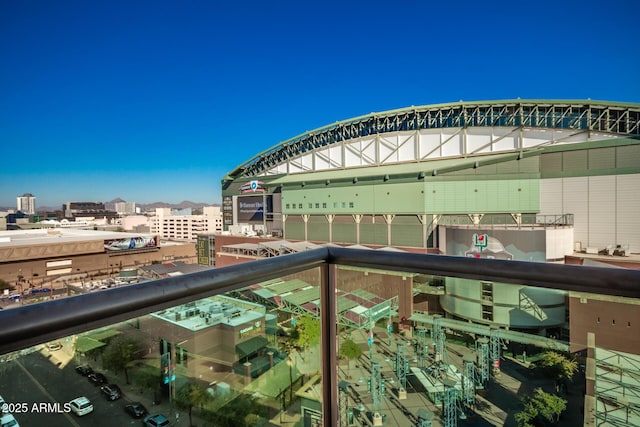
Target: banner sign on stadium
pixel 252 187
pixel 252 208
pixel 129 243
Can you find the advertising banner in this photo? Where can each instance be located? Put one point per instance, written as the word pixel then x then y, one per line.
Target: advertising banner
pixel 130 243
pixel 251 208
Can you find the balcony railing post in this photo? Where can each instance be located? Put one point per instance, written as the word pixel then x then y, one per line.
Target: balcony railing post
pixel 328 334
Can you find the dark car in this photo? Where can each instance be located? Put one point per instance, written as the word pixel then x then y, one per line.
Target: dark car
pixel 84 370
pixel 111 391
pixel 96 378
pixel 136 410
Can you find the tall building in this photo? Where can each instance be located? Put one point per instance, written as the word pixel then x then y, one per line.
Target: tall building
pixel 26 203
pixel 125 208
pixel 176 225
pixel 214 214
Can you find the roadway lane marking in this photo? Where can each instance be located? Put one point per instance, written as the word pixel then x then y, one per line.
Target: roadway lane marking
pixel 46 393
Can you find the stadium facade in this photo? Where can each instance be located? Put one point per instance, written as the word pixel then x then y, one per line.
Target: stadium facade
pixel 538 180
pixel 400 177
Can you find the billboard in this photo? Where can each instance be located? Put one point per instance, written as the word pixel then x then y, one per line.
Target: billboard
pixel 251 208
pixel 520 245
pixel 203 250
pixel 131 243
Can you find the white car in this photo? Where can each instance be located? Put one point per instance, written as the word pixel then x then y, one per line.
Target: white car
pixel 81 406
pixel 7 420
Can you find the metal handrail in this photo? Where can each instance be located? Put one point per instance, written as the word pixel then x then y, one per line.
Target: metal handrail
pixel 38 323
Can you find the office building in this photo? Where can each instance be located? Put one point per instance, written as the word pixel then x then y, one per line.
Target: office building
pixel 26 204
pixel 125 208
pixel 181 225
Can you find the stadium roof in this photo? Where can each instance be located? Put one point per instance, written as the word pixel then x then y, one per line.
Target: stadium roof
pixel 585 115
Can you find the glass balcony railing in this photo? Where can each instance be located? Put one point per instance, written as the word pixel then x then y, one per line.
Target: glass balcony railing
pixel 333 337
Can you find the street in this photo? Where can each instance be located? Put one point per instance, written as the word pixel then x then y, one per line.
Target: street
pixel 36 379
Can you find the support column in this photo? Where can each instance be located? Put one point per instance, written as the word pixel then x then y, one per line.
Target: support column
pixel 284 227
pixel 475 218
pixel 388 218
pixel 423 220
pixel 305 218
pixel 330 219
pixel 329 344
pixel 517 218
pixel 357 218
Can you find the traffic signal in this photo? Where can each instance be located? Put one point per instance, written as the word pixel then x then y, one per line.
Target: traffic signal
pixel 165 375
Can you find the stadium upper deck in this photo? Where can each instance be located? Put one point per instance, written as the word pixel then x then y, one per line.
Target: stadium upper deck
pixel 516 125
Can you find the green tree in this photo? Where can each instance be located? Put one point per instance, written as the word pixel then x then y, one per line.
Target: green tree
pixel 190 395
pixel 541 406
pixel 240 410
pixel 559 366
pixel 119 354
pixel 309 331
pixel 148 378
pixel 350 350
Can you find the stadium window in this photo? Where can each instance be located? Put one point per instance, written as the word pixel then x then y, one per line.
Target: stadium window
pixel 324 205
pixel 287 205
pixel 317 205
pixel 310 205
pixel 335 204
pixel 344 205
pixel 299 205
pixel 351 204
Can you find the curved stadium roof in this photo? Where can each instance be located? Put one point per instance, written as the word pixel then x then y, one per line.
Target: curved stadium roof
pixel 498 126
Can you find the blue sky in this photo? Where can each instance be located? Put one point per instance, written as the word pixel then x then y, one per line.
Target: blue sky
pixel 157 100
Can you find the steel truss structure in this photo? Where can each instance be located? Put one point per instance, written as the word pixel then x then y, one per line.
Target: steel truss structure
pixel 482 350
pixel 439 339
pixel 450 403
pixel 422 347
pixel 376 386
pixel 494 349
pixel 433 131
pixel 402 365
pixel 469 381
pixel 617 388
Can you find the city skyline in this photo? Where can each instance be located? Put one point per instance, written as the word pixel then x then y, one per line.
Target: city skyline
pixel 154 102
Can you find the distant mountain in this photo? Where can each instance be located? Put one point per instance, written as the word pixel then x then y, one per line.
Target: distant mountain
pixel 147 206
pixel 182 205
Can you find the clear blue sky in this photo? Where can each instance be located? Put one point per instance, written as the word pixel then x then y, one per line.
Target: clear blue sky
pixel 157 100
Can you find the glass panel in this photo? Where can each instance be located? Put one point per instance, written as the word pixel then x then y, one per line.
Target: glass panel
pixel 238 359
pixel 417 349
pixel 413 349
